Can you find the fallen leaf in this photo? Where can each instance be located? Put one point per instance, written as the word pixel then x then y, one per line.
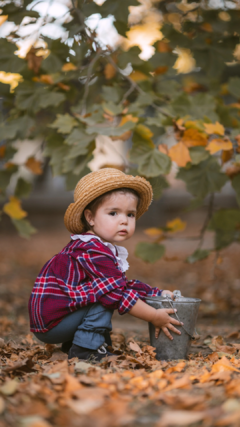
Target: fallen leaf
pixel 9 388
pixel 135 347
pixel 180 418
pixel 222 365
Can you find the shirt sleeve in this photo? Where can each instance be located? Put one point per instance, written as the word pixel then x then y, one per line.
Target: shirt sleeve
pixel 111 287
pixel 109 284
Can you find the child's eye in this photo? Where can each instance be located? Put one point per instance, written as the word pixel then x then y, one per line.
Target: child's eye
pixel 131 215
pixel 113 213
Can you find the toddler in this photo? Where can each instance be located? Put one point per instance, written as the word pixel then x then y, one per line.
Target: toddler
pixel 76 292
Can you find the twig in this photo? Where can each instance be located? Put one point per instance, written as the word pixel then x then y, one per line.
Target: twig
pixel 208 217
pixel 134 85
pixel 86 88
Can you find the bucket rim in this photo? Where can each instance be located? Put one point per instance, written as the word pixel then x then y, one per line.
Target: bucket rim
pixel 176 301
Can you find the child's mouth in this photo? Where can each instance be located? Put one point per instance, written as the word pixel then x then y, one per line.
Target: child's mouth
pixel 122 232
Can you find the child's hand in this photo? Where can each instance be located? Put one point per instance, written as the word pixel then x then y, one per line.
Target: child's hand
pixel 163 321
pixel 165 292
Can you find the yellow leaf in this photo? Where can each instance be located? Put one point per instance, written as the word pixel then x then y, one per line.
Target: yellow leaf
pixel 69 67
pixel 192 138
pixel 138 76
pixel 128 118
pixel 176 225
pixel 218 144
pixel 214 128
pixel 34 166
pixel 179 153
pixel 11 79
pixel 144 131
pixel 143 35
pixel 3 18
pixel 13 209
pixel 185 62
pixel 109 71
pixel 153 232
pixel 224 16
pixel 194 124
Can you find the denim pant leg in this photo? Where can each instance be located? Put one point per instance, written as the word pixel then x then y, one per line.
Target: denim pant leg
pixel 90 333
pixel 95 319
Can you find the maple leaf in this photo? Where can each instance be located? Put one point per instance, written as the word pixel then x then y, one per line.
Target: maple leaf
pixel 34 165
pixel 219 144
pixel 192 138
pixel 179 154
pixel 216 128
pixel 13 208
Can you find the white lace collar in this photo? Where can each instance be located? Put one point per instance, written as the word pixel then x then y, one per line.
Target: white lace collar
pixel 119 252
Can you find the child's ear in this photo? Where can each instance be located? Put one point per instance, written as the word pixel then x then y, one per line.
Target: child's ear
pixel 89 216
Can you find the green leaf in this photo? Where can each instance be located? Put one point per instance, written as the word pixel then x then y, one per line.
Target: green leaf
pixel 204 178
pixel 5 176
pixel 200 106
pixel 149 252
pixel 236 186
pixel 131 56
pixel 159 183
pixel 226 224
pixel 23 188
pixel 234 87
pixel 24 228
pixel 198 255
pixel 103 129
pixel 9 62
pixel 52 64
pixel 111 108
pixel 33 97
pixel 151 163
pixel 79 138
pixel 17 128
pixel 72 179
pixel 110 93
pixel 64 123
pixel 198 154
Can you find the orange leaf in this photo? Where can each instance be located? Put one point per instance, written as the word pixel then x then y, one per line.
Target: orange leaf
pixel 34 166
pixel 223 365
pixel 161 70
pixel 219 144
pixel 64 87
pixel 13 208
pixel 214 128
pixel 3 18
pixel 179 154
pixel 128 118
pixel 69 67
pixel 226 156
pixel 109 71
pixel 153 232
pixel 192 138
pixel 2 151
pixel 207 27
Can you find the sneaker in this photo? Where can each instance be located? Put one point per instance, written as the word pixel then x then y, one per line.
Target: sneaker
pixel 88 354
pixel 66 346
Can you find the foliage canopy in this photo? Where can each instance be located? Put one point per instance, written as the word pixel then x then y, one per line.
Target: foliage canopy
pixel 68 90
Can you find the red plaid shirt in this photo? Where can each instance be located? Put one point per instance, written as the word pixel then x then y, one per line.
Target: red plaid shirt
pixel 82 273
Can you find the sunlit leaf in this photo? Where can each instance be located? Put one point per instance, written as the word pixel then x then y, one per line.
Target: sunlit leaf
pixel 143 131
pixel 69 67
pixel 185 62
pixel 192 138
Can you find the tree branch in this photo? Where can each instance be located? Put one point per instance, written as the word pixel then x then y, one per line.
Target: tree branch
pixel 208 217
pixel 86 88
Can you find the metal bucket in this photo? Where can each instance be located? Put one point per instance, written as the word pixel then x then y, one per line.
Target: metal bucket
pixel 187 312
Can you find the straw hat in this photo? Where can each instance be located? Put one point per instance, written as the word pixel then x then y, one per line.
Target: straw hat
pixel 97 183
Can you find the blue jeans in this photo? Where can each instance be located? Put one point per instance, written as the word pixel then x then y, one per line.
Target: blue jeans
pixel 85 327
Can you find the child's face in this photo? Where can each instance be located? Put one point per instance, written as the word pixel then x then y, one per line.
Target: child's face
pixel 114 220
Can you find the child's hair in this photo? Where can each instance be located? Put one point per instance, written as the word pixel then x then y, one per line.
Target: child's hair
pixel 94 204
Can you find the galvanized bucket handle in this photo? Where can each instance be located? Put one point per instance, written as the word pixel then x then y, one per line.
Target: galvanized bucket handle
pixel 196 336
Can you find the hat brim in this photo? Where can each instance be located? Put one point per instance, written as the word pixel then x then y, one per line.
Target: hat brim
pixel 72 218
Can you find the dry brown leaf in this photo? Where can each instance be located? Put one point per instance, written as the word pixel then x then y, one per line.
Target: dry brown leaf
pixel 180 418
pixel 135 347
pixel 34 165
pixel 109 71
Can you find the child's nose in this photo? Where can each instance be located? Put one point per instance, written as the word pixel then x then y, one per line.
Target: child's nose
pixel 124 219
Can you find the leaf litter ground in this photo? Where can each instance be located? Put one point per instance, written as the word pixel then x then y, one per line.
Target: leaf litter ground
pixel 39 387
